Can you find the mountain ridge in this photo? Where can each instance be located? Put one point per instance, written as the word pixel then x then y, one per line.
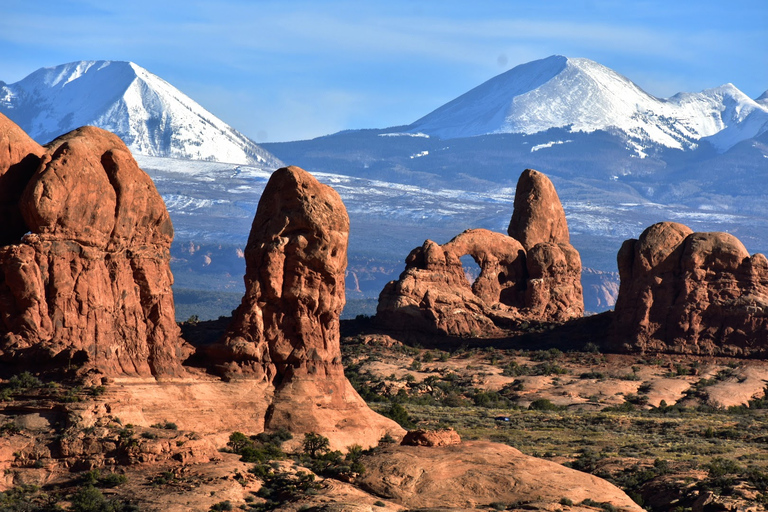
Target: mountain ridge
pixel 148 113
pixel 583 95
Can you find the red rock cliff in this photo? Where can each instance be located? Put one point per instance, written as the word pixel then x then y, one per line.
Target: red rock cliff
pixel 89 283
pixel 691 293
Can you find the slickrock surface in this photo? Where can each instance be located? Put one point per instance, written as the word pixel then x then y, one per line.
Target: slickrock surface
pixel 475 474
pixel 691 293
pixel 537 277
pixel 90 282
pixel 286 329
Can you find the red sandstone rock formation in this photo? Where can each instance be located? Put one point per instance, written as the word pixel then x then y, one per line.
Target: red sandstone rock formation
pixel 538 279
pixel 538 215
pixel 89 283
pixel 443 437
pixel 691 293
pixel 286 330
pixel 475 473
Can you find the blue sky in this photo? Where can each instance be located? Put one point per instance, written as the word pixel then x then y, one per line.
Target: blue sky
pixel 287 70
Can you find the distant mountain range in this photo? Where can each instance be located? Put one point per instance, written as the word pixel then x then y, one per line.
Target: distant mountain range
pixel 595 132
pixel 584 96
pixel 149 114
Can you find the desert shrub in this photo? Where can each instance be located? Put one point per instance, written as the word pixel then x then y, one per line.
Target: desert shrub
pixel 513 369
pixel 90 499
pixel 592 348
pixel 315 444
pixel 398 413
pixel 586 461
pixel 548 368
pixel 490 399
pixel 278 437
pixel 757 478
pixel 720 466
pixel 552 354
pixel 238 441
pixel 281 487
pixel 543 404
pixel 334 464
pixel 387 439
pixel 9 428
pixel 454 399
pixel 222 505
pixel 24 381
pixel 167 425
pixel 599 504
pixel 259 448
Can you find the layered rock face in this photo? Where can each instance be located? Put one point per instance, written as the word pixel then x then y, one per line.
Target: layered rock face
pixel 533 274
pixel 286 330
pixel 89 283
pixel 691 293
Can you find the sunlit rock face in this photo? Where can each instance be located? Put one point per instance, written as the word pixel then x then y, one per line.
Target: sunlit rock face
pixel 86 280
pixel 286 329
pixel 691 293
pixel 533 274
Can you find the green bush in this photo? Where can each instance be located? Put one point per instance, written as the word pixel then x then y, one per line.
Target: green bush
pixel 24 381
pixel 90 499
pixel 315 444
pixel 261 448
pixel 543 404
pixel 398 413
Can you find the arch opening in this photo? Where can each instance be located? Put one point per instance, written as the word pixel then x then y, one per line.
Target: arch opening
pixel 471 268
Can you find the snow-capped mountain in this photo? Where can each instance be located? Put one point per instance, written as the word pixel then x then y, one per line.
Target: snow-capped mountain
pixel 763 99
pixel 584 96
pixel 149 114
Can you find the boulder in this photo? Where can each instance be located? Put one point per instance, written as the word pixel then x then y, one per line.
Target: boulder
pixel 691 293
pixel 89 283
pixel 537 278
pixel 286 329
pixel 442 437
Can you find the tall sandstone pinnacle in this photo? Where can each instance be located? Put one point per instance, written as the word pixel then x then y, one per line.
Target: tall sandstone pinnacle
pixel 85 258
pixel 691 293
pixel 533 274
pixel 538 215
pixel 286 329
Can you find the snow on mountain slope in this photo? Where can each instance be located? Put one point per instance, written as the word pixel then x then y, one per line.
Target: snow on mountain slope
pixel 150 115
pixel 559 92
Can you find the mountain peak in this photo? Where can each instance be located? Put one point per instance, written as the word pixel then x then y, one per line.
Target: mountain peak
pixel 582 95
pixel 151 116
pixel 762 99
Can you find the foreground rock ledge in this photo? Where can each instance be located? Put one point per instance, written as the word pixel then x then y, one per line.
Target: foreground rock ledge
pixel 89 284
pixel 286 330
pixel 475 474
pixel 533 274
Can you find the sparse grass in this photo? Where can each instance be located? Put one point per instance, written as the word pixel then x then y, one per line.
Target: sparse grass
pixel 689 446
